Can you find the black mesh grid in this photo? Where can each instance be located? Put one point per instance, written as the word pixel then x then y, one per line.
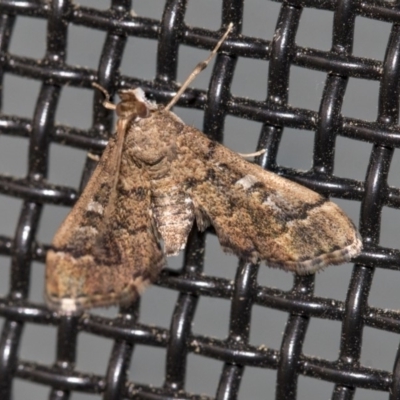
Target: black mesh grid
pixel 236 353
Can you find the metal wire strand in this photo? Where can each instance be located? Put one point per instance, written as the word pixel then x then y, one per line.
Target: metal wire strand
pixel 275 114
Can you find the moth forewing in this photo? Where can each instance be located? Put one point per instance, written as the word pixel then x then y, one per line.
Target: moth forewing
pixel 78 233
pixel 105 252
pixel 154 179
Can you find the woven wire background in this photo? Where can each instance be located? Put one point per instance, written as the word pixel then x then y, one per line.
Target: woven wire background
pixel 346 372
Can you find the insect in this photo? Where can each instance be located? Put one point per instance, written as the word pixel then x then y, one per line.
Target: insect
pixel 157 178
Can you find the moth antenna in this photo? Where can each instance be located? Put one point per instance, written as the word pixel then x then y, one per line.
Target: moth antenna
pixel 199 67
pixel 106 103
pixel 255 154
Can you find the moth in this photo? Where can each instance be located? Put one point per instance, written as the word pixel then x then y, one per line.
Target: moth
pixel 157 178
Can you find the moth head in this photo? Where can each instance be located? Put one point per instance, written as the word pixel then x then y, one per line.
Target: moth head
pixel 134 104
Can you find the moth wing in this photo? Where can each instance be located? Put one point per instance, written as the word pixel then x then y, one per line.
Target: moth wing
pixel 106 250
pixel 260 215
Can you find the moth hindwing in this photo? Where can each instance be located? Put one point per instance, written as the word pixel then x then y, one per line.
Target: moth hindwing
pixel 155 179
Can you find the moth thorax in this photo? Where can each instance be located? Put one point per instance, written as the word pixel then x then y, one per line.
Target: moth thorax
pixel 160 169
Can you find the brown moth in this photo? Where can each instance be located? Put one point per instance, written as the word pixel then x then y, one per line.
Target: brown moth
pixel 156 177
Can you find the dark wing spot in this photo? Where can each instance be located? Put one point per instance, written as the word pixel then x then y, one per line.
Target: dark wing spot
pixel 93 216
pixel 139 193
pixel 211 150
pixel 190 182
pixel 137 229
pixel 288 213
pixel 106 251
pixel 210 175
pixel 256 187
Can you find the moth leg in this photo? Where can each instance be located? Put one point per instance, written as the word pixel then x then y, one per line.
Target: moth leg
pixel 93 157
pixel 255 154
pixel 106 102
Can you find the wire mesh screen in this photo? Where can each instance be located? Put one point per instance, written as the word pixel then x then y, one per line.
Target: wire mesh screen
pixel 268 344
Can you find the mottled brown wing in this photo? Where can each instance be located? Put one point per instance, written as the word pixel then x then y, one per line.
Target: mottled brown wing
pixel 259 215
pixel 105 252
